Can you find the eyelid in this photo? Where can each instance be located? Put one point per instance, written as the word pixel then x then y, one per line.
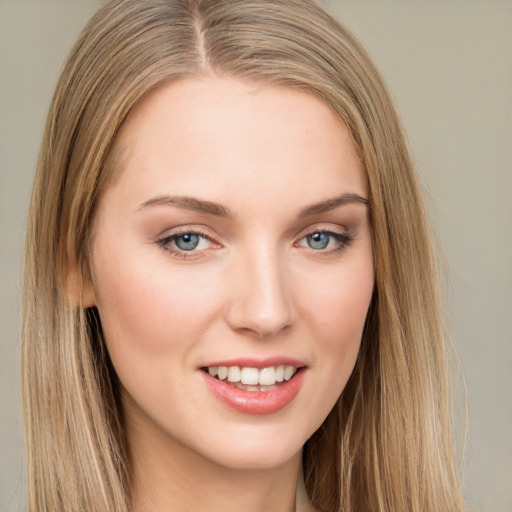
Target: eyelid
pixel 341 234
pixel 324 228
pixel 165 240
pixel 183 229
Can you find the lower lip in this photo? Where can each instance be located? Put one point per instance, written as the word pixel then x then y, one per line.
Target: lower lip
pixel 256 402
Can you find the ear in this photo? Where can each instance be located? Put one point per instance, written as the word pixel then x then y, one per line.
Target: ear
pixel 79 284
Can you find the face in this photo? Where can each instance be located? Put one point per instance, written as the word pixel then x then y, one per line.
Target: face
pixel 232 268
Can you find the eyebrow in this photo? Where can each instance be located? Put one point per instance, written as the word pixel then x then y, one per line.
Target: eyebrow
pixel 189 203
pixel 209 208
pixel 331 204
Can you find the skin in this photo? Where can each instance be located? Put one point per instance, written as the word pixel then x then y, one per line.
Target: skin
pixel 253 287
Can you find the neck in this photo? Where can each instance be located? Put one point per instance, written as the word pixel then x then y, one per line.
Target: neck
pixel 170 476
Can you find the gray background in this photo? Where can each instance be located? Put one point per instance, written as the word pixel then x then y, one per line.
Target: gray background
pixel 449 66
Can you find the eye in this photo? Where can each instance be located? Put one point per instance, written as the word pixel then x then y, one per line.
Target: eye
pixel 325 240
pixel 185 242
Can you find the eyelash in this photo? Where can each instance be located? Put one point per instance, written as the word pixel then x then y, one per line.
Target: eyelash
pixel 167 243
pixel 343 240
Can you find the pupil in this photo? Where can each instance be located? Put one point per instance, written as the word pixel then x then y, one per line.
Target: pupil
pixel 187 242
pixel 318 240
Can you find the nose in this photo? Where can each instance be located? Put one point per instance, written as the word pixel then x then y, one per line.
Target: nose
pixel 260 297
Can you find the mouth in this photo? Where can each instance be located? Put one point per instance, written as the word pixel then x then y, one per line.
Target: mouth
pixel 252 379
pixel 255 387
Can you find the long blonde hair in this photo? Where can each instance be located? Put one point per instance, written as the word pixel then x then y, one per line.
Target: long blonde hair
pixel 387 445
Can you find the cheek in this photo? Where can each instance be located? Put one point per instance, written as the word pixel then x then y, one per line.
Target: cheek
pixel 339 303
pixel 146 313
pixel 337 309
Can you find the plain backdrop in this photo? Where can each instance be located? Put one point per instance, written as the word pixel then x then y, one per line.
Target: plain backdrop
pixel 449 66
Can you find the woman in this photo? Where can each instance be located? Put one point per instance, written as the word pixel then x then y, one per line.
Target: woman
pixel 230 295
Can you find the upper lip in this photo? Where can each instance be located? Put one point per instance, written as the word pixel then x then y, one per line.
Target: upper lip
pixel 254 362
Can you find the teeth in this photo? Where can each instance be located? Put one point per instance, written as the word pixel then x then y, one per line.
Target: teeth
pixel 222 372
pixel 288 372
pixel 267 376
pixel 253 376
pixel 249 376
pixel 234 374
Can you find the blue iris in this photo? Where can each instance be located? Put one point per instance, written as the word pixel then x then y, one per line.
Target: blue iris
pixel 318 241
pixel 187 242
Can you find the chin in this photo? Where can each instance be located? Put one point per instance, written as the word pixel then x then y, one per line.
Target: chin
pixel 257 457
pixel 261 448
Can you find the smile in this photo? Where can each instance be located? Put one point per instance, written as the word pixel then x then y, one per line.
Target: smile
pixel 252 387
pixel 253 379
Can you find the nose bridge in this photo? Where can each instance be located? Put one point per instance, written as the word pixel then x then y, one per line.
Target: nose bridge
pixel 261 302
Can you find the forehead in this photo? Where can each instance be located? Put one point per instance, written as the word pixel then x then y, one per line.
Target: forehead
pixel 216 136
